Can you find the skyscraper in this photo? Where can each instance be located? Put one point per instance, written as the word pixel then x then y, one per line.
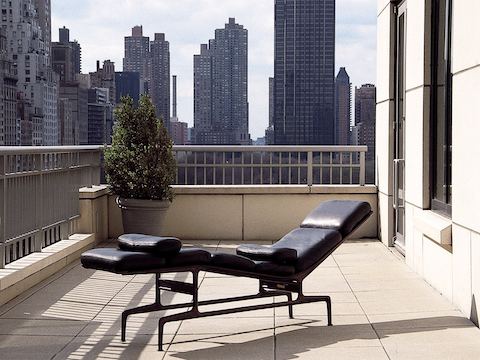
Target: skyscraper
pixel 343 98
pixel 104 78
pixel 66 56
pixel 178 129
pixel 100 117
pixel 127 84
pixel 137 51
pixel 221 88
pixel 159 87
pixel 9 134
pixel 27 24
pixel 269 132
pixel 365 120
pixel 304 72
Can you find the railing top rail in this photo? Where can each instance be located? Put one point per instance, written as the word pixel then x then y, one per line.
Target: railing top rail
pixel 21 150
pixel 270 148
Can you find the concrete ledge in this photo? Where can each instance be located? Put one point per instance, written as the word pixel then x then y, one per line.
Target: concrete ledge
pixel 25 273
pixel 93 192
pixel 434 226
pixel 272 189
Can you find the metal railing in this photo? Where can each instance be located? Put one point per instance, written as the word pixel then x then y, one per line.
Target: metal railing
pixel 39 185
pixel 270 165
pixel 39 195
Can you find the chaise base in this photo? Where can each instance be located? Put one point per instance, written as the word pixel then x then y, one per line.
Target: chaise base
pixel 266 289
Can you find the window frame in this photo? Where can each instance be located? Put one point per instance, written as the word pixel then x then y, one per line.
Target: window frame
pixel 441 203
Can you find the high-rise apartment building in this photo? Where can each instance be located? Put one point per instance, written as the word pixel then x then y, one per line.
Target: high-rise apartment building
pixel 304 72
pixel 221 88
pixel 270 132
pixel 66 57
pixel 9 134
pixel 27 25
pixel 127 84
pixel 178 129
pixel 100 117
pixel 137 54
pixel 104 78
pixel 365 120
pixel 159 87
pixel 343 101
pixel 66 130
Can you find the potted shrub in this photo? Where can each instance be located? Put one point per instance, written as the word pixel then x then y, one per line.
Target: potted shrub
pixel 140 167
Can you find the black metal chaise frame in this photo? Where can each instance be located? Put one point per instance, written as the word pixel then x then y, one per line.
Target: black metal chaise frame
pixel 269 286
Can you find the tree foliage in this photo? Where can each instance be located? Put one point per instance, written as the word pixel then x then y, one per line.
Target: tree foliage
pixel 140 163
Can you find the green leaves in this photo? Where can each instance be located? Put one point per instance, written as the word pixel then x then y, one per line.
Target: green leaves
pixel 140 163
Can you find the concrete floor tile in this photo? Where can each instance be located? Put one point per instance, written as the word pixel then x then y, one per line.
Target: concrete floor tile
pixel 37 327
pixel 220 325
pixel 337 353
pixel 257 345
pixel 21 347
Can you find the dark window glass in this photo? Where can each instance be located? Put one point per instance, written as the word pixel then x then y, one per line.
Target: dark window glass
pixel 441 107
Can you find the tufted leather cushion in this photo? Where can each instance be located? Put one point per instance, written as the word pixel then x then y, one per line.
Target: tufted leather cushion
pixel 236 262
pixel 267 253
pixel 340 215
pixel 190 256
pixel 165 246
pixel 312 245
pixel 131 262
pixel 119 261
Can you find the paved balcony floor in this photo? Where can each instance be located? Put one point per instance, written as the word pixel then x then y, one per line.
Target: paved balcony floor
pixel 381 310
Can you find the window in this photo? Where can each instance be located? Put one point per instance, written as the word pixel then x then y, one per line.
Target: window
pixel 441 147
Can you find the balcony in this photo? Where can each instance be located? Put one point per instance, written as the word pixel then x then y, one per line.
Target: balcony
pixel 55 309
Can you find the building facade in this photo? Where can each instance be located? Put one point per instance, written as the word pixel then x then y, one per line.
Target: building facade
pixel 104 78
pixel 270 132
pixel 343 107
pixel 66 56
pixel 221 88
pixel 365 122
pixel 304 72
pixel 127 84
pixel 159 88
pixel 427 134
pixel 9 132
pixel 27 27
pixel 100 117
pixel 137 54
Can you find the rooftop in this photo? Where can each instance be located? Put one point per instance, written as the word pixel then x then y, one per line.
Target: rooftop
pixel 381 310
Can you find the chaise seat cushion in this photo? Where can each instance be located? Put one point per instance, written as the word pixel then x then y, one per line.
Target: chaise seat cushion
pixel 340 215
pixel 237 262
pixel 282 256
pixel 165 246
pixel 134 262
pixel 312 245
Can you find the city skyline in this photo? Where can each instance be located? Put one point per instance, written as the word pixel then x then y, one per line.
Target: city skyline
pixel 356 40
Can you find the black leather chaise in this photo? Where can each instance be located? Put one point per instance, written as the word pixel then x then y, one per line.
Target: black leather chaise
pixel 280 268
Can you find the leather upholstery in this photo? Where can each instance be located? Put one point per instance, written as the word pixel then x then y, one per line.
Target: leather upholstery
pixel 312 245
pixel 237 262
pixel 340 215
pixel 120 261
pixel 166 246
pixel 131 262
pixel 267 253
pixel 190 256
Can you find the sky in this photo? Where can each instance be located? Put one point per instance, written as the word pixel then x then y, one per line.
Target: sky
pixel 100 28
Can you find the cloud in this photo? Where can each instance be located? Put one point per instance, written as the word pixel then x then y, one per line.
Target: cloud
pixel 101 26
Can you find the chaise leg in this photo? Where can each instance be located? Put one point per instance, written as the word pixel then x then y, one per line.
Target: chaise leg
pixel 329 310
pixel 290 307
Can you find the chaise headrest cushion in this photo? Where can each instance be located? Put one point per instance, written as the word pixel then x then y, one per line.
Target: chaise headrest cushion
pixel 164 246
pixel 341 215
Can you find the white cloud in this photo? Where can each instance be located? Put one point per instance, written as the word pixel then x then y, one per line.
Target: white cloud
pixel 101 26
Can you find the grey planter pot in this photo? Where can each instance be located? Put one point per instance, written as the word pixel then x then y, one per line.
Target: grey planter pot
pixel 143 216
